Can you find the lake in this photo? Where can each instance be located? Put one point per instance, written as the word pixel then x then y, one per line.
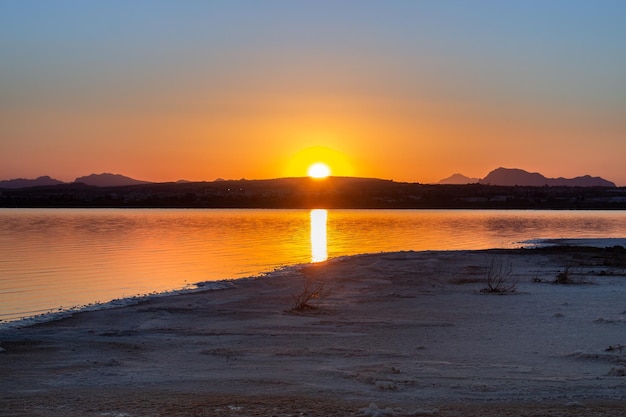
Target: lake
pixel 53 259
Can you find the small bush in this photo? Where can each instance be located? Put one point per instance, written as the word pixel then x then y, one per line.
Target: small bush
pixel 313 290
pixel 498 277
pixel 566 277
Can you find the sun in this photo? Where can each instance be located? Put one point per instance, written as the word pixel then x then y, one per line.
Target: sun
pixel 300 163
pixel 318 170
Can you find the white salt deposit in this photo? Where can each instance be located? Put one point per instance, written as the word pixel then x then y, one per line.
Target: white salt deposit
pixel 403 332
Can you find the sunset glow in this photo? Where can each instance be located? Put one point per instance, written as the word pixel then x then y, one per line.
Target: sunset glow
pixel 308 162
pixel 233 89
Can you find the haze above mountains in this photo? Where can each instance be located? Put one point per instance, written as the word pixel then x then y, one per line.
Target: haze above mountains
pixel 499 176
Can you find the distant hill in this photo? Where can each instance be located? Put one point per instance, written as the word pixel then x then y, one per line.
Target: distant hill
pixel 459 179
pixel 512 176
pixel 109 180
pixel 307 193
pixel 98 180
pixel 499 176
pixel 23 183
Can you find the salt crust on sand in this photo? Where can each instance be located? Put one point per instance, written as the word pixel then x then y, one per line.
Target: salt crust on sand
pixel 408 333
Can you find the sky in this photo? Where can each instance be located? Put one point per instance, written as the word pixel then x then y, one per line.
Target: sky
pixel 404 90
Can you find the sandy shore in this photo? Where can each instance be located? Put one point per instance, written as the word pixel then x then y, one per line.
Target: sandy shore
pixel 395 334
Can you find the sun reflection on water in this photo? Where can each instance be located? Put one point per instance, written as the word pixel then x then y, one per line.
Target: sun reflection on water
pixel 319 248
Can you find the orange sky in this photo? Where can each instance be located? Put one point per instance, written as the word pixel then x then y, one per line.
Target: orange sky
pixel 409 91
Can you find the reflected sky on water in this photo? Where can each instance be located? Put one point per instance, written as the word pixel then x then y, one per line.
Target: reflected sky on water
pixel 69 257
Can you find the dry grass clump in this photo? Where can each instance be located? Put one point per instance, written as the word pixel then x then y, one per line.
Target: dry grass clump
pixel 566 277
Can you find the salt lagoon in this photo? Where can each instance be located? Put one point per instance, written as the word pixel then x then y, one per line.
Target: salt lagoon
pixel 59 259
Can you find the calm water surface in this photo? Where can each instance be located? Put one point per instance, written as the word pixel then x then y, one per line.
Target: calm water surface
pixel 62 258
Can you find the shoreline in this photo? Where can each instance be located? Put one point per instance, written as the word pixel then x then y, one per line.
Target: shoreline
pixel 93 264
pixel 410 331
pixel 56 314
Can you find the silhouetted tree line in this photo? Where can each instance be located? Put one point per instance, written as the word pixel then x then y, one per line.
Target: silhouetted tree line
pixel 335 192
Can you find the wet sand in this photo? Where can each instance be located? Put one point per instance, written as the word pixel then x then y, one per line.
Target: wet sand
pixel 408 333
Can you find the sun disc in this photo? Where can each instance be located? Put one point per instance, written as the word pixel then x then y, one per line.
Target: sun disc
pixel 318 170
pixel 300 162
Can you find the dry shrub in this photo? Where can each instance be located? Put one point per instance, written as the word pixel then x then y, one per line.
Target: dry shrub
pixel 498 278
pixel 313 291
pixel 566 277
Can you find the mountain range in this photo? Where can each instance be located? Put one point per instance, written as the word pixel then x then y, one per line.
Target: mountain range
pixel 108 180
pixel 23 182
pixel 514 176
pixel 499 176
pixel 98 180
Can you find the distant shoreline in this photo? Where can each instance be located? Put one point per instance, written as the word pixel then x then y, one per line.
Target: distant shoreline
pixel 305 193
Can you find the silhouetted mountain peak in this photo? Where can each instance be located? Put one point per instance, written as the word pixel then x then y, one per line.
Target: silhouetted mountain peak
pixel 516 176
pixel 23 182
pixel 109 180
pixel 459 179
